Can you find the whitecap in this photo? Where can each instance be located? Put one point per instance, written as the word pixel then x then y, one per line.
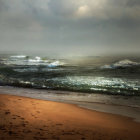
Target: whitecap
pixel 37 59
pixel 123 63
pixel 19 56
pixel 55 64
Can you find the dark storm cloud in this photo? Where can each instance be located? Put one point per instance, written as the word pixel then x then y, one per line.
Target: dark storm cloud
pixel 66 25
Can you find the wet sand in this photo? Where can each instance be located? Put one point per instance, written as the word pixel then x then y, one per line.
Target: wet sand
pixel 33 119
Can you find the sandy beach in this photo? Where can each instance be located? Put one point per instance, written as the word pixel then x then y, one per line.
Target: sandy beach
pixel 32 119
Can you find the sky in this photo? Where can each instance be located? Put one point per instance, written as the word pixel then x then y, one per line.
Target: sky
pixel 70 27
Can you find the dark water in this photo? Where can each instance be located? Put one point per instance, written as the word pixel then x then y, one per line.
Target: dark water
pixel 120 75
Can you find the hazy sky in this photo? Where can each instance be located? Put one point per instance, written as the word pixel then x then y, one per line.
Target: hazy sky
pixel 70 26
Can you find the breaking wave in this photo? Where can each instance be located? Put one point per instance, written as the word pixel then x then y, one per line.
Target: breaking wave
pixel 121 64
pixel 31 61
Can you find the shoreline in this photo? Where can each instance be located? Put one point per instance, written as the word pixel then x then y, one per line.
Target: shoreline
pixel 23 116
pixel 119 105
pixel 99 107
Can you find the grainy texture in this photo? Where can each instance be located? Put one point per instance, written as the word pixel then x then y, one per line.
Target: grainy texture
pixel 31 119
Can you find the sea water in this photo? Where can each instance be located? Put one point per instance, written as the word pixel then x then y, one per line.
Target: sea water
pixel 105 75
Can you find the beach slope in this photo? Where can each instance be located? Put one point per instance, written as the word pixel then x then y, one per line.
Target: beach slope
pixel 32 119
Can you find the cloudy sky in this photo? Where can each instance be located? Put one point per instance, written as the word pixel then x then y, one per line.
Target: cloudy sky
pixel 67 27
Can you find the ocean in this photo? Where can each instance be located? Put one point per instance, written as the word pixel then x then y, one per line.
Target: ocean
pixel 103 75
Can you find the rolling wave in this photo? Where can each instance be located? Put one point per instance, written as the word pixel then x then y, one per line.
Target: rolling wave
pixel 121 64
pixel 31 61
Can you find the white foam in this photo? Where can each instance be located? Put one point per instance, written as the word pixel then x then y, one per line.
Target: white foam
pixel 37 58
pixel 34 60
pixel 125 63
pixel 122 63
pixel 19 56
pixel 55 64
